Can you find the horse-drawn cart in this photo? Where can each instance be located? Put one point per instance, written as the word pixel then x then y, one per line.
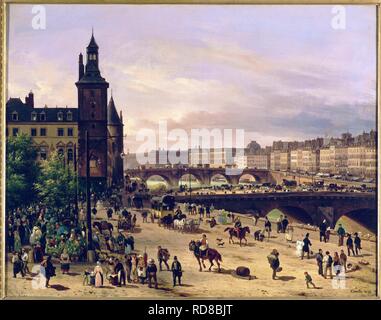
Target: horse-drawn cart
pixel 162 206
pixel 187 225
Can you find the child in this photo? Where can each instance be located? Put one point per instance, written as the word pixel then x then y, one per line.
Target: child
pixel 309 280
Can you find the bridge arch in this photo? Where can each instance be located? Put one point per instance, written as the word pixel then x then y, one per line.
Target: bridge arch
pixel 247 178
pixel 365 217
pixel 196 180
pixel 294 214
pixel 218 179
pixel 156 181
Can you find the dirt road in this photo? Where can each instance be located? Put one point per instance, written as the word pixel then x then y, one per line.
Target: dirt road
pixel 291 284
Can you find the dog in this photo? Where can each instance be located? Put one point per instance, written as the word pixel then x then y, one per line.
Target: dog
pixel 220 243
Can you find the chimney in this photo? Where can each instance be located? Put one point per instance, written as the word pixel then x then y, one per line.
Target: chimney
pixel 121 116
pixel 29 100
pixel 81 67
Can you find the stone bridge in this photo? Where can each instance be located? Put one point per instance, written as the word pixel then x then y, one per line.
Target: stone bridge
pixel 306 207
pixel 204 175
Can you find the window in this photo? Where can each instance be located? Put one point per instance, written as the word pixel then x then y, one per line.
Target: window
pixel 70 132
pixel 34 116
pixel 42 116
pixel 60 132
pixel 61 152
pixel 92 93
pixel 15 116
pixel 60 116
pixel 33 132
pixel 92 115
pixel 42 132
pixel 15 131
pixel 93 104
pixel 43 154
pixel 70 155
pixel 69 116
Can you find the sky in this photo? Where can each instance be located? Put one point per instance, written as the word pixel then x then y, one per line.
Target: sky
pixel 277 72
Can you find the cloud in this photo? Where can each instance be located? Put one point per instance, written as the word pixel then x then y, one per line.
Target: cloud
pixel 289 78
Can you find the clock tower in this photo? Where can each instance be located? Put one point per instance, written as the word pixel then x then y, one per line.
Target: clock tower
pixel 92 116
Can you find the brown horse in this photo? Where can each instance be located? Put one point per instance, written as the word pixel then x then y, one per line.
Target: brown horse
pixel 241 234
pixel 211 255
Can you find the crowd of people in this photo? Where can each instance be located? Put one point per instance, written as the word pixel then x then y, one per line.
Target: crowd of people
pixel 135 268
pixel 38 234
pixel 35 232
pixel 204 211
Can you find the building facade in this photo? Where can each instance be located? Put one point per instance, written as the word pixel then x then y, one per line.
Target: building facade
pixel 258 161
pixel 310 161
pixel 339 160
pixel 275 160
pixel 51 129
pixel 296 160
pixel 325 165
pixel 65 129
pixel 371 162
pixel 285 161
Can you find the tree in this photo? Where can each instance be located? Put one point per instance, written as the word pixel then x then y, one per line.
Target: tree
pixel 22 171
pixel 56 184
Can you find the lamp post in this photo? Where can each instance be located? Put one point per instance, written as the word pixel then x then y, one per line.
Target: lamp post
pixel 90 248
pixel 76 181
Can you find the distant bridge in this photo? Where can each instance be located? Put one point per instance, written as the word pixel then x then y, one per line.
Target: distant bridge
pixel 307 207
pixel 204 175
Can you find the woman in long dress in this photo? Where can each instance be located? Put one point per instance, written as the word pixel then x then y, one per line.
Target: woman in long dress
pixel 134 271
pixel 98 275
pixel 142 269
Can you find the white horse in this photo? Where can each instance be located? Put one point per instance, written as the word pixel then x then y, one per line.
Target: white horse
pixel 179 224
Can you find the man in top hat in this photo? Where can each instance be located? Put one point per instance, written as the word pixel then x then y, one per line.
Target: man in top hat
pixel 176 271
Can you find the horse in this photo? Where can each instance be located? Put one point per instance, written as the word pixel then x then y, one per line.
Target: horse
pixel 211 255
pixel 241 234
pixel 179 224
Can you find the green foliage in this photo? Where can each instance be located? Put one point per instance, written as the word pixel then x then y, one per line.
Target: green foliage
pixel 21 171
pixel 56 184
